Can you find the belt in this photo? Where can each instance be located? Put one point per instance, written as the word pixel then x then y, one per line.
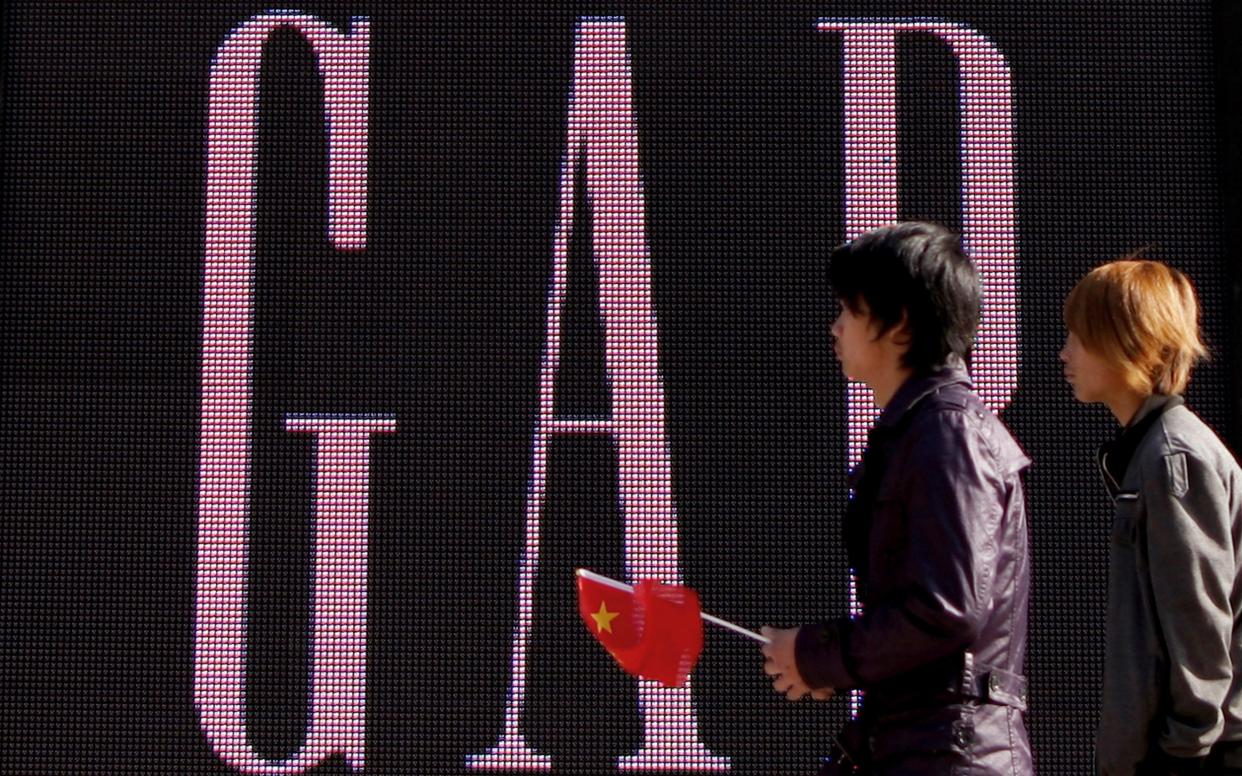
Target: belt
pixel 992 685
pixel 966 679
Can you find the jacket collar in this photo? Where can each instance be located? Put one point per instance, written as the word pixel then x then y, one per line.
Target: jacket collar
pixel 1156 403
pixel 1114 457
pixel 918 387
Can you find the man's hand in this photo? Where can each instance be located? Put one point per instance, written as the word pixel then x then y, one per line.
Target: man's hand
pixel 781 664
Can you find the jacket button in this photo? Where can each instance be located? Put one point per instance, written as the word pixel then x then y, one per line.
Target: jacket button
pixel 994 683
pixel 962 736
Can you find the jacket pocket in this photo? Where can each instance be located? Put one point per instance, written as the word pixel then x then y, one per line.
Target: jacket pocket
pixel 1125 519
pixel 890 534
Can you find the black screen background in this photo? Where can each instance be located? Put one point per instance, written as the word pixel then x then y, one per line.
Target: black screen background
pixel 440 321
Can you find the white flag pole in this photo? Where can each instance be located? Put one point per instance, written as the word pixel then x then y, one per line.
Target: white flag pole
pixel 591 575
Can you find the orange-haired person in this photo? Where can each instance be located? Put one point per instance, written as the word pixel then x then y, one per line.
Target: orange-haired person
pixel 1172 697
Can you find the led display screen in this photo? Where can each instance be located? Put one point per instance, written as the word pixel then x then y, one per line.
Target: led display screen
pixel 338 336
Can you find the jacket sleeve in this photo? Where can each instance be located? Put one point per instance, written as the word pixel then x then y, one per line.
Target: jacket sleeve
pixel 951 496
pixel 1191 555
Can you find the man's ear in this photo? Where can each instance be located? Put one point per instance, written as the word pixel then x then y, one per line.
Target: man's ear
pixel 900 333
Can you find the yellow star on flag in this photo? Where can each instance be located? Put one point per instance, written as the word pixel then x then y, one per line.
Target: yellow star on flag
pixel 604 618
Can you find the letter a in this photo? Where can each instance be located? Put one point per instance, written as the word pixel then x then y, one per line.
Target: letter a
pixel 336 718
pixel 602 131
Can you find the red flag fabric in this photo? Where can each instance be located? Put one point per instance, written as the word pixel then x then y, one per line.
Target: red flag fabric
pixel 654 632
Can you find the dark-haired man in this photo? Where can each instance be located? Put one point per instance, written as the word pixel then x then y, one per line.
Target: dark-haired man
pixel 935 530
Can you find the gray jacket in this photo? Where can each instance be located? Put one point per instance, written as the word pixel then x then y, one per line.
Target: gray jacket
pixel 1174 593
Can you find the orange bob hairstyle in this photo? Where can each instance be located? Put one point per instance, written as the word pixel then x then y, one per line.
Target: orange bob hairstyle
pixel 1142 317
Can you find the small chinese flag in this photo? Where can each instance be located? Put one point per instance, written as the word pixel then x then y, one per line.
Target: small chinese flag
pixel 653 631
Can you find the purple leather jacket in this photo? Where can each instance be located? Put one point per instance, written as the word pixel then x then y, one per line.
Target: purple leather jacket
pixel 937 537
